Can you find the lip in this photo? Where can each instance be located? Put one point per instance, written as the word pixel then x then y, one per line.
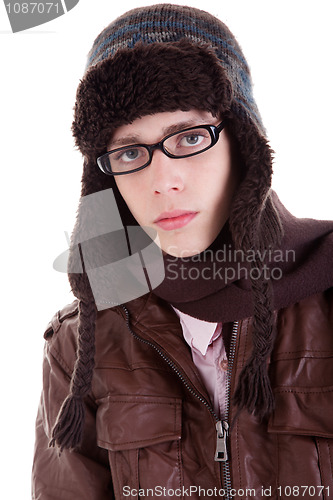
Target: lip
pixel 175 219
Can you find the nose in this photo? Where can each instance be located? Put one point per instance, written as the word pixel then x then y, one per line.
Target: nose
pixel 166 174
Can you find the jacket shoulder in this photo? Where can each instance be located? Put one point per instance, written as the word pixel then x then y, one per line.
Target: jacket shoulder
pixel 61 337
pixel 61 333
pixel 54 325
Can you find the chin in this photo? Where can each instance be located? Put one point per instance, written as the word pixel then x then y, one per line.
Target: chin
pixel 179 250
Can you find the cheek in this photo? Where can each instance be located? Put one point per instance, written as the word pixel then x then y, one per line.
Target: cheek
pixel 218 185
pixel 133 194
pixel 226 175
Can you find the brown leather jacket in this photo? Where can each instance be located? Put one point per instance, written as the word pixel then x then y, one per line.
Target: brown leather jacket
pixel 150 429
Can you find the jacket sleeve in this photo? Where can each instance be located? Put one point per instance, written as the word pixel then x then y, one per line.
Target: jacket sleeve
pixel 70 475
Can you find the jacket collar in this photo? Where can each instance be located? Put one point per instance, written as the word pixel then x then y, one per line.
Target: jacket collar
pixel 154 320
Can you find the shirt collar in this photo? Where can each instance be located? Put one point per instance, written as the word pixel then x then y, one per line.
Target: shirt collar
pixel 198 334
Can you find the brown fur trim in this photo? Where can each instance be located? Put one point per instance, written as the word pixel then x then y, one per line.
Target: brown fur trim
pixel 145 80
pixel 254 222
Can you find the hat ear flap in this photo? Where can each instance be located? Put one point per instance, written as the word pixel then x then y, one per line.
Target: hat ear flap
pixel 254 221
pixel 270 229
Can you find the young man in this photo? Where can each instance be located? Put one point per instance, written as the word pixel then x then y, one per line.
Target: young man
pixel 218 382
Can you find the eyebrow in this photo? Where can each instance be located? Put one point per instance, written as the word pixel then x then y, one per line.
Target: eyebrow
pixel 171 129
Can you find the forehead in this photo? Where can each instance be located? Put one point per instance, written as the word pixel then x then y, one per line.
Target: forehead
pixel 152 128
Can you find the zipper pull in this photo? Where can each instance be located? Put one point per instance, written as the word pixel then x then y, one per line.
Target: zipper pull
pixel 222 431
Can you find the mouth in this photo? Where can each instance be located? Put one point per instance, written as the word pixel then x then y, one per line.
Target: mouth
pixel 175 219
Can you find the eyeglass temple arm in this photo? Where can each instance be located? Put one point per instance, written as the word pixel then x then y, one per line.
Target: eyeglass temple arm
pixel 221 126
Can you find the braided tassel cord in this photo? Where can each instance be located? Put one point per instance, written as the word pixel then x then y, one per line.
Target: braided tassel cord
pixel 254 390
pixel 68 429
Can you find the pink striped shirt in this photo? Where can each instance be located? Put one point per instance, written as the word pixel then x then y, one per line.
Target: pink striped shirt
pixel 209 356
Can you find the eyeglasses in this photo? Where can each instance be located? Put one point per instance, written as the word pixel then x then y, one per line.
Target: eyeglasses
pixel 189 142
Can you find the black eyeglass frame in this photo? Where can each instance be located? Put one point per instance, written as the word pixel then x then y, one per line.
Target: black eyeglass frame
pixel 214 131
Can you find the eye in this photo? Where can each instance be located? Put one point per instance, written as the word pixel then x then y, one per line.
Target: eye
pixel 193 139
pixel 129 155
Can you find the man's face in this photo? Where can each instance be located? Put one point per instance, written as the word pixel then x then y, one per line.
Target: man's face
pixel 185 200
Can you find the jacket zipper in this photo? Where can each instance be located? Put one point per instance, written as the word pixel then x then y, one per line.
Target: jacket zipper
pixel 225 423
pixel 222 426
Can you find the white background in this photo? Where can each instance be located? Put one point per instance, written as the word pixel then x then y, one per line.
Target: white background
pixel 288 44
